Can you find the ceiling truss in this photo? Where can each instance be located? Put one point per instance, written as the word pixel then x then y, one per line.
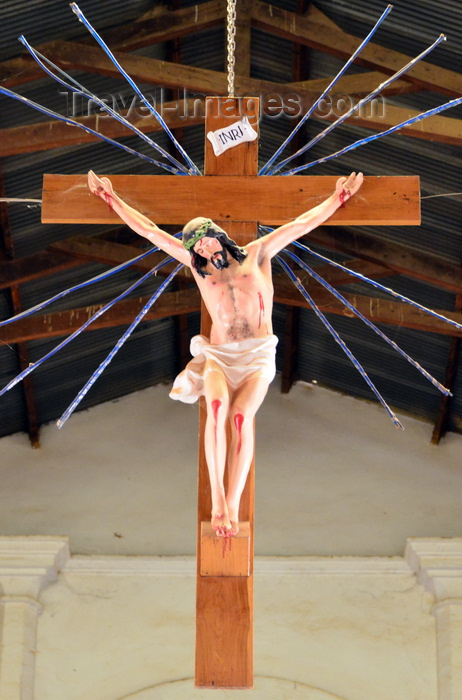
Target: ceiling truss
pixel 307 28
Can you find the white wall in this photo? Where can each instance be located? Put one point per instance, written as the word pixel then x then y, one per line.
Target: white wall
pixel 340 613
pixel 333 477
pixel 355 629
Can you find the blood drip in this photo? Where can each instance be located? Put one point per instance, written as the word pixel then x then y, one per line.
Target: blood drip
pixel 215 406
pixel 238 421
pixel 262 309
pixel 343 196
pixel 107 197
pixel 226 539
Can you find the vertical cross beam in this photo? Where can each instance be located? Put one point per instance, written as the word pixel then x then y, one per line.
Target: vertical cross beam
pixel 224 603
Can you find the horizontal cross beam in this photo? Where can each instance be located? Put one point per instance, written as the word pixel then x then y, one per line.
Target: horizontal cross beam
pixel 399 258
pixel 60 323
pixel 390 312
pixel 383 201
pixel 375 309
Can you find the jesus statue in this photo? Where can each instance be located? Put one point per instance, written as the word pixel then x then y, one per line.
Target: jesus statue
pixel 234 367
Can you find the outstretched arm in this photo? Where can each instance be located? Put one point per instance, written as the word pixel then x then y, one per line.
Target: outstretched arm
pixel 282 236
pixel 102 187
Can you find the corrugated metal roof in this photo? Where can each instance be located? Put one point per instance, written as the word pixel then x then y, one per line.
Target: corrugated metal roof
pixel 148 355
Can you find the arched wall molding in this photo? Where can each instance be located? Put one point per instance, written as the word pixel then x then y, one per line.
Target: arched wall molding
pixel 265 688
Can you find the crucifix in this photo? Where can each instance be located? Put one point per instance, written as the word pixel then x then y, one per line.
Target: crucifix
pixel 233 196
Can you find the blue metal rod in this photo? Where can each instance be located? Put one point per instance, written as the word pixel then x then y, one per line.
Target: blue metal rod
pixel 116 348
pixel 360 104
pixel 75 8
pixel 81 90
pixel 275 156
pixel 72 122
pixel 338 339
pixel 81 285
pixel 382 287
pixel 87 323
pixel 373 283
pixel 430 113
pixel 369 323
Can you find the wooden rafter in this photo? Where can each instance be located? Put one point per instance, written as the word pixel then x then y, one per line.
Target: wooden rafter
pixel 338 277
pixel 55 134
pixel 7 246
pixel 437 128
pixel 166 24
pixel 357 84
pixel 94 249
pixel 61 323
pixel 243 39
pixel 183 114
pixel 307 29
pixel 153 71
pixel 154 27
pixel 291 331
pixel 401 259
pixel 172 303
pixel 72 252
pixel 377 310
pixel 314 29
pixel 20 270
pixel 442 420
pixel 331 39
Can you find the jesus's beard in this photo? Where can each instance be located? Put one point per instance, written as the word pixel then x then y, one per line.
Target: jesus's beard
pixel 220 259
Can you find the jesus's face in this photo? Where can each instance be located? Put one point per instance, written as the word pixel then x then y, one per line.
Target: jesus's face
pixel 211 249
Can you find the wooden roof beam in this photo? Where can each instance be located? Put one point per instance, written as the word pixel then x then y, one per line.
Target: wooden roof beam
pixel 152 71
pixel 243 38
pixel 6 243
pixel 187 301
pixel 442 420
pixel 383 117
pixel 55 134
pixel 377 310
pixel 62 323
pixel 357 84
pixel 337 277
pixel 291 335
pixel 72 252
pixel 161 26
pixel 30 267
pixel 94 249
pixel 156 72
pixel 402 260
pixel 333 40
pixel 70 55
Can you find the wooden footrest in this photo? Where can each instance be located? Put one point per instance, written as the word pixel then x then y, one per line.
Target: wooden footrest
pixel 222 556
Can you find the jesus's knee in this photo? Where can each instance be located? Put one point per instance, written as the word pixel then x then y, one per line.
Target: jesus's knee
pixel 217 407
pixel 241 418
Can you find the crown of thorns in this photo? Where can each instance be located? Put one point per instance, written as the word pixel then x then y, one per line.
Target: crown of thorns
pixel 198 234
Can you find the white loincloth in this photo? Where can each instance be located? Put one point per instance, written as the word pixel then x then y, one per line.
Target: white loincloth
pixel 240 360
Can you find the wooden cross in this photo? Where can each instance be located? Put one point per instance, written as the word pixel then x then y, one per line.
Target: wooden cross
pixel 231 194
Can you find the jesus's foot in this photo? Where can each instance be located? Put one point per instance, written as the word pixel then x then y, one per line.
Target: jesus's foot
pixel 221 524
pixel 234 520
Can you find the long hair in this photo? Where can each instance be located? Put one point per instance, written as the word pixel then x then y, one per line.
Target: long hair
pixel 213 231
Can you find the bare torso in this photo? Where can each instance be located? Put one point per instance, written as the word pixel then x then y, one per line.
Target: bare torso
pixel 239 299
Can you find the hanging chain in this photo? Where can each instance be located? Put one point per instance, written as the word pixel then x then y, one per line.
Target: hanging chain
pixel 231 33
